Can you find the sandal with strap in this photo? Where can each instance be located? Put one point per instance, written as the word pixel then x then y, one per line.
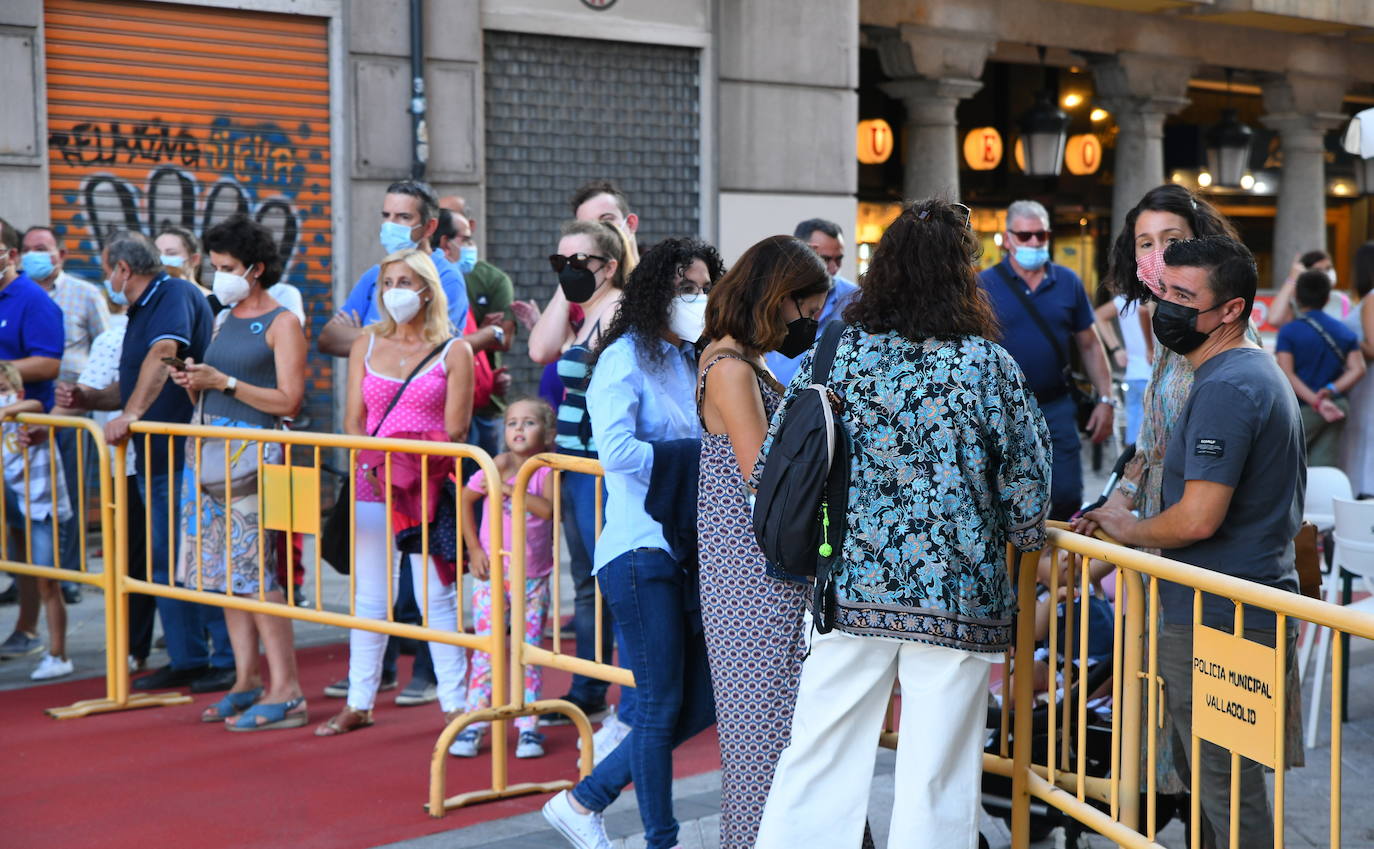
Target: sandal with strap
pixel 345 721
pixel 231 705
pixel 290 714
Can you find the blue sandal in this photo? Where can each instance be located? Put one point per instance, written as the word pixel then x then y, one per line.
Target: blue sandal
pixel 277 714
pixel 231 705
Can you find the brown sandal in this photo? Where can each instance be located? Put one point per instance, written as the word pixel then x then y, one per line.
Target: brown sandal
pixel 345 721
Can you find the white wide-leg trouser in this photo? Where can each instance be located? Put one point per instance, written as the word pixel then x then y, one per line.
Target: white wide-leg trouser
pixel 365 648
pixel 820 792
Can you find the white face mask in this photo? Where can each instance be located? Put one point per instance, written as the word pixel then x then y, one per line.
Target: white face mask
pixel 1331 272
pixel 230 288
pixel 687 317
pixel 403 304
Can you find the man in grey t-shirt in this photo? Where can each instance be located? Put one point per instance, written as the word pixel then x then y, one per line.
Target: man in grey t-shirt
pixel 1234 480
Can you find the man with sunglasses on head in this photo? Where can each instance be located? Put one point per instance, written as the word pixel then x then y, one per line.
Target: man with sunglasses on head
pixel 1044 313
pixel 827 240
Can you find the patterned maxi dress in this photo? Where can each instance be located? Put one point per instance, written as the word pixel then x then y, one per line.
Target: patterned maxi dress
pixel 754 636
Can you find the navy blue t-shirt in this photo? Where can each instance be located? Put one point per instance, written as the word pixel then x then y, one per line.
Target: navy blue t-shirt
pixel 1062 303
pixel 170 308
pixel 31 326
pixel 1314 362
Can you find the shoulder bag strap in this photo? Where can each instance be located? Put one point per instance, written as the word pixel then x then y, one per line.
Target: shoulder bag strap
pixel 1326 337
pixel 1015 288
pixel 399 392
pixel 825 351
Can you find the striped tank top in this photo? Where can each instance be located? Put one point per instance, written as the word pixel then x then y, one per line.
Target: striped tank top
pixel 574 425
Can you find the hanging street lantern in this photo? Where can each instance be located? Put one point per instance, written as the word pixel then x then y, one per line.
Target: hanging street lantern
pixel 1044 131
pixel 1228 149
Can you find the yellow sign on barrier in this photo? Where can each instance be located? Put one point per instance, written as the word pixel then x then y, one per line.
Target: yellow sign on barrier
pixel 1234 687
pixel 291 498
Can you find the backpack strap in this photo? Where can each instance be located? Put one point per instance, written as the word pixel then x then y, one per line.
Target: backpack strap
pixel 825 351
pixel 1013 286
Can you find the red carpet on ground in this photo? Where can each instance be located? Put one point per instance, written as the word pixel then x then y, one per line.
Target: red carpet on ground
pixel 160 777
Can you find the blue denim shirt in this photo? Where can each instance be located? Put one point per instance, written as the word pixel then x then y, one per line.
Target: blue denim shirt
pixel 633 401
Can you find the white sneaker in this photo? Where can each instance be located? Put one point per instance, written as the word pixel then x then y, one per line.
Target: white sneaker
pixel 611 733
pixel 585 831
pixel 465 745
pixel 531 745
pixel 52 667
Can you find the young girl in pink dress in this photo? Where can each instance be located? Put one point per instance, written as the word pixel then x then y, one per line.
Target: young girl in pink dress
pixel 529 431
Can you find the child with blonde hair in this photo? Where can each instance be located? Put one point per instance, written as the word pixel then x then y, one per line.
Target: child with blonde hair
pixel 529 430
pixel 31 519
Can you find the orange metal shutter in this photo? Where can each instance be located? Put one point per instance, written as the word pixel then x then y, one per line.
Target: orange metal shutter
pixel 166 114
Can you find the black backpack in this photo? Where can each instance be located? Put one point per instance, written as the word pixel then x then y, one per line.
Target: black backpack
pixel 800 508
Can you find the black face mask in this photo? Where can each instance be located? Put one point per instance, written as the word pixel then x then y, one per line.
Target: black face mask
pixel 579 284
pixel 801 335
pixel 1176 326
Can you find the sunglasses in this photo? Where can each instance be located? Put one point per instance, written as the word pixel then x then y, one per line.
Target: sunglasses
pixel 1027 235
pixel 960 210
pixel 578 261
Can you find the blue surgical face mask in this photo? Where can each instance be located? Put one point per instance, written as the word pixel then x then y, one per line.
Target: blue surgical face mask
pixel 1031 258
pixel 116 297
pixel 173 261
pixel 395 237
pixel 467 258
pixel 37 265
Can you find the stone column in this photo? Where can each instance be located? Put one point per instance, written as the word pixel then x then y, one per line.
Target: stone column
pixel 932 71
pixel 1140 91
pixel 1301 108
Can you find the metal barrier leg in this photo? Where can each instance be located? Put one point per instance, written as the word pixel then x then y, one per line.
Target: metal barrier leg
pixel 438 805
pixel 116 547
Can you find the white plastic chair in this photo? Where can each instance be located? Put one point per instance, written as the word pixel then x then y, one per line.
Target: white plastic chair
pixel 1324 483
pixel 1354 553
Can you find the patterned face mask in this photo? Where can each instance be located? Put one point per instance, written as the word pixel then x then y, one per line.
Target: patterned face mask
pixel 1149 268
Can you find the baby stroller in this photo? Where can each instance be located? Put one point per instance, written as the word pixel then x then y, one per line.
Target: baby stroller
pixel 1096 679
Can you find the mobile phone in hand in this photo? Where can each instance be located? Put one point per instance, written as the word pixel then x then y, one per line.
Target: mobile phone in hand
pixel 175 362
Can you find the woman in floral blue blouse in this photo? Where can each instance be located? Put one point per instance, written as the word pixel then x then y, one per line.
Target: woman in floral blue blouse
pixel 951 461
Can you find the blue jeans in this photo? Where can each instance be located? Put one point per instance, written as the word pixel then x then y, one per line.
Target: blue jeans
pixel 486 434
pixel 579 527
pixel 646 588
pixel 1066 483
pixel 42 548
pixel 1135 408
pixel 185 624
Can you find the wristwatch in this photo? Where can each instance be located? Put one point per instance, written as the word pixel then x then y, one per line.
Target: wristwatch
pixel 500 334
pixel 1109 401
pixel 231 385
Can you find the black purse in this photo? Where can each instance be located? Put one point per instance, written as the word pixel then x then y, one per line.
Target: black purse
pixel 335 533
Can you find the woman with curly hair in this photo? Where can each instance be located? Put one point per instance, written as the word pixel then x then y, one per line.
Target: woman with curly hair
pixel 950 463
pixel 253 376
pixel 642 393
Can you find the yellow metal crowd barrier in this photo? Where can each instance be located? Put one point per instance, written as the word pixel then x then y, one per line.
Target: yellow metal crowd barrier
pixel 524 654
pixel 288 500
pixel 1119 802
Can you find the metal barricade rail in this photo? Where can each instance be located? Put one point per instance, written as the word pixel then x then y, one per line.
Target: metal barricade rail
pixel 1123 804
pixel 523 654
pixel 288 500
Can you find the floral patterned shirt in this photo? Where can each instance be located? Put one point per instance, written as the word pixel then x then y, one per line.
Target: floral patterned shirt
pixel 950 462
